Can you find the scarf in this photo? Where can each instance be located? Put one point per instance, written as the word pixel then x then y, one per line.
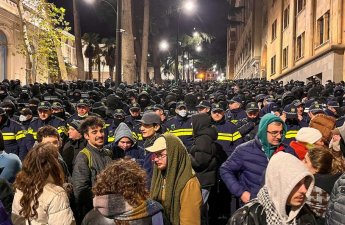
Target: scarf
pixel 272 215
pixel 179 171
pixel 116 207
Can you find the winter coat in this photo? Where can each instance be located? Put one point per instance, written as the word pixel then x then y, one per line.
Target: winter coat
pixel 254 214
pixel 53 207
pixel 320 195
pixel 70 151
pixel 84 176
pixel 243 170
pixel 283 173
pixel 10 165
pixel 203 152
pixel 336 206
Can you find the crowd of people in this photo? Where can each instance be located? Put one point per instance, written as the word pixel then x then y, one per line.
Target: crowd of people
pixel 234 152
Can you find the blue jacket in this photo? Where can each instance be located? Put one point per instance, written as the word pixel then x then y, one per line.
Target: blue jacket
pixel 14 134
pixel 10 165
pixel 244 169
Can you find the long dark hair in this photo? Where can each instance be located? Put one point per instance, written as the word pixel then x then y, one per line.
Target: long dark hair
pixel 40 164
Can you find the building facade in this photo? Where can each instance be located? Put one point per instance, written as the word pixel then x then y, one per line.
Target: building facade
pixel 299 40
pixel 12 63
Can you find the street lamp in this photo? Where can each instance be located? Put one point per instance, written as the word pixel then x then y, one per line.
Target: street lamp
pixel 189 6
pixel 118 37
pixel 163 45
pixel 198 48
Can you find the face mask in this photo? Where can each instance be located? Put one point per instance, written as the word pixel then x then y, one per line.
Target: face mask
pixel 82 116
pixel 22 118
pixel 182 113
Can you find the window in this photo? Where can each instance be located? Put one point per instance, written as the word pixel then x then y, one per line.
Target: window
pixel 300 5
pixel 323 28
pixel 286 17
pixel 274 30
pixel 273 65
pixel 285 57
pixel 300 46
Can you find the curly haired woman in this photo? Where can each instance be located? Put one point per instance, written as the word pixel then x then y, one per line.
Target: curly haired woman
pixel 39 196
pixel 121 197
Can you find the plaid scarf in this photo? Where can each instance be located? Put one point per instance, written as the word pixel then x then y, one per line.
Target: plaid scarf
pixel 272 214
pixel 116 207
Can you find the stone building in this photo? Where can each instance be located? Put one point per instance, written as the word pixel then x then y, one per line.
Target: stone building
pixel 287 39
pixel 12 63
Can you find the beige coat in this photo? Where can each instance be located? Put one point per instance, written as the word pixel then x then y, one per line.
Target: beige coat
pixel 53 208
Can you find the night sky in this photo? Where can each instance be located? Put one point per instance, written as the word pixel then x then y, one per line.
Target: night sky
pixel 210 17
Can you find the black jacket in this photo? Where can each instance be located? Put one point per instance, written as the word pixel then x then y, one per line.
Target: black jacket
pixel 203 152
pixel 254 214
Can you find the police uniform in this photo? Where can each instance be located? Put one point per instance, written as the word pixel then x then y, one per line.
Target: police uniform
pixel 181 127
pixel 13 134
pixel 228 135
pixel 37 123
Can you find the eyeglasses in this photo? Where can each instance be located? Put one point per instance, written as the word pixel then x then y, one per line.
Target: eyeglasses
pixel 275 133
pixel 158 156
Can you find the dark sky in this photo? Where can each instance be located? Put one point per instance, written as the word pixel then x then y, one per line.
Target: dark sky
pixel 210 17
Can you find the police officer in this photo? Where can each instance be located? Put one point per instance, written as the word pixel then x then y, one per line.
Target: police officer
pixel 228 135
pixel 13 134
pixel 45 117
pixel 204 107
pixel 235 112
pixel 290 117
pixel 248 127
pixel 83 110
pixel 181 124
pixel 133 123
pixel 119 117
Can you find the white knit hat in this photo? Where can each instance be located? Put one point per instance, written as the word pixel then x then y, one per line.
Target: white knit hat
pixel 308 135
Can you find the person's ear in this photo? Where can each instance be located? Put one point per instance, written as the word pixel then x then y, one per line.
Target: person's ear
pixel 156 127
pixel 86 136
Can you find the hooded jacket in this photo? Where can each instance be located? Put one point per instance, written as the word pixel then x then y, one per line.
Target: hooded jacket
pixel 108 208
pixel 283 173
pixel 203 152
pixel 243 170
pixel 134 151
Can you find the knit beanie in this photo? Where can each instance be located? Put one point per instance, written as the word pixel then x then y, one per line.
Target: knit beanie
pixel 76 125
pixel 308 135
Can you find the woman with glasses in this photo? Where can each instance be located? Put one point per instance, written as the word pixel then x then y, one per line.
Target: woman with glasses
pixel 174 183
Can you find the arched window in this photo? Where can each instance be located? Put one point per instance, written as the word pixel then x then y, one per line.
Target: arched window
pixel 3 56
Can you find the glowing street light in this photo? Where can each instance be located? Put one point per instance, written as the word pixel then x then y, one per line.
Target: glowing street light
pixel 198 48
pixel 189 6
pixel 164 45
